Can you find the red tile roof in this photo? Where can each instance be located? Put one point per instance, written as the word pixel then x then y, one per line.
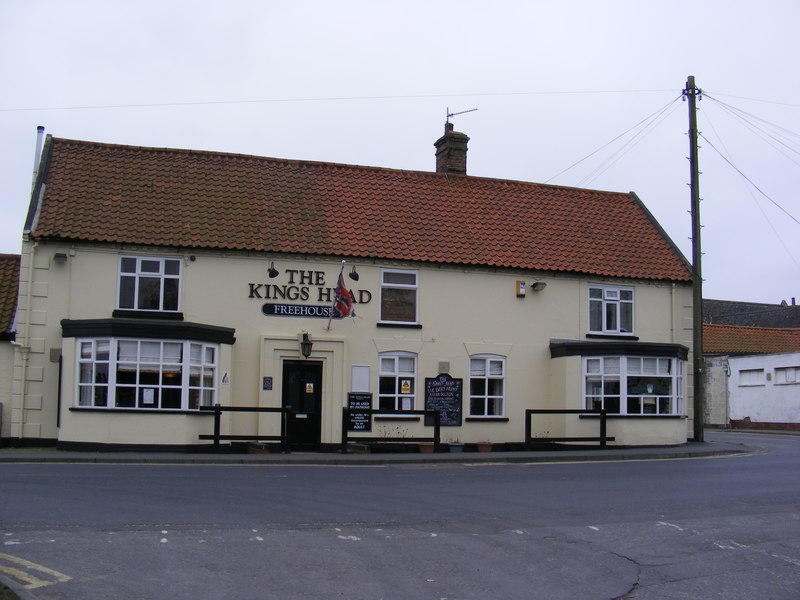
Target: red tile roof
pixel 735 339
pixel 9 282
pixel 181 198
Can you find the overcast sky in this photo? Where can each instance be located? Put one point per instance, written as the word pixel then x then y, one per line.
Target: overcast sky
pixel 371 82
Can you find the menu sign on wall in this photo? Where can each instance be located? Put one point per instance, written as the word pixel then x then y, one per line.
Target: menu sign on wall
pixel 359 405
pixel 443 393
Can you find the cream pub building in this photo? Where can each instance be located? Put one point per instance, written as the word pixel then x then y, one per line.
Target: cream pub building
pixel 156 282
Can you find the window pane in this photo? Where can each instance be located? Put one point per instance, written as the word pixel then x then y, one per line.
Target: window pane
pixel 386 385
pixel 405 365
pixel 85 395
pixel 195 353
pixel 127 286
pixel 593 365
pixel 626 295
pixel 401 278
pixel 149 293
pixel 398 305
pixel 151 352
pixel 495 387
pixel 148 397
pixel 612 405
pixel 85 373
pixel 596 293
pixel 127 351
pixel 611 365
pixel 611 316
pixel 172 352
pixel 148 375
pixel 595 316
pixel 102 350
pixel 126 397
pixel 127 265
pixel 210 356
pixel 626 317
pixel 477 387
pixel 100 396
pixel 170 294
pixel 171 398
pixel 194 376
pixel 172 267
pixel 477 406
pixel 634 405
pixel 171 375
pixel 477 367
pixel 151 266
pixel 496 367
pixel 126 374
pixel 101 373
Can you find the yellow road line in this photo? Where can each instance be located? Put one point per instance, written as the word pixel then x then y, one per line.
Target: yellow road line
pixel 32 582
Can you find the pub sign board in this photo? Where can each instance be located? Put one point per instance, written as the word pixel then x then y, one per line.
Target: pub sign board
pixel 360 417
pixel 443 393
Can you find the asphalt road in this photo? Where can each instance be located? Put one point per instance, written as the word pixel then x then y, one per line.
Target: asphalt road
pixel 703 528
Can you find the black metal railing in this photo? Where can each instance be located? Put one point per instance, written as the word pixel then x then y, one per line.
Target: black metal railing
pixel 435 415
pixel 217 436
pixel 603 438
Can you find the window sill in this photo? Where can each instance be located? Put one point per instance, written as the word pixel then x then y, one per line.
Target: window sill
pixel 488 419
pixel 147 314
pixel 140 411
pixel 613 336
pixel 391 417
pixel 648 416
pixel 400 325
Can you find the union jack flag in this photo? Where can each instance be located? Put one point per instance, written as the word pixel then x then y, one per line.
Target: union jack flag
pixel 342 302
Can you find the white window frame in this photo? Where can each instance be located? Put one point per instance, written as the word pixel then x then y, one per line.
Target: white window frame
pixel 752 377
pixel 787 375
pixel 100 361
pixel 389 366
pixel 139 274
pixel 486 377
pixel 611 304
pixel 608 382
pixel 401 287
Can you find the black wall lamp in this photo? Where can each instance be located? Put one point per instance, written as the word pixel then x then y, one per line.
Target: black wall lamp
pixel 538 286
pixel 353 274
pixel 272 271
pixel 306 345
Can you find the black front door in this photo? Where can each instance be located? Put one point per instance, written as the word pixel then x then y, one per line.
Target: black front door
pixel 302 396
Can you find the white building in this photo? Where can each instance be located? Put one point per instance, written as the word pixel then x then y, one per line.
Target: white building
pixel 155 282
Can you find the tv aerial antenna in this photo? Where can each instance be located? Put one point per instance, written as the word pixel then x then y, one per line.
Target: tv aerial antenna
pixel 449 114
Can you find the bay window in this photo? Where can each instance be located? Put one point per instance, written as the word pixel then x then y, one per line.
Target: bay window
pixel 634 385
pixel 146 374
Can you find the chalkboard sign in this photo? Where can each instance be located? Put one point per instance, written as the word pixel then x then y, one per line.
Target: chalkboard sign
pixel 443 393
pixel 360 418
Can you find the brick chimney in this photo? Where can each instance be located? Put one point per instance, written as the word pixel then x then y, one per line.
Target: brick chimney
pixel 451 151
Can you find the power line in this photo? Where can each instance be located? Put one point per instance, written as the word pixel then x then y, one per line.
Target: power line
pixel 624 133
pixel 705 93
pixel 326 99
pixel 750 181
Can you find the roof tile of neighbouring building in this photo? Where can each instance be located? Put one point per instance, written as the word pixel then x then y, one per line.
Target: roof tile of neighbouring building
pixel 121 194
pixel 9 282
pixel 736 339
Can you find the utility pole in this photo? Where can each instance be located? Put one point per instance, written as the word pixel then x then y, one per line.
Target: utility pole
pixel 692 93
